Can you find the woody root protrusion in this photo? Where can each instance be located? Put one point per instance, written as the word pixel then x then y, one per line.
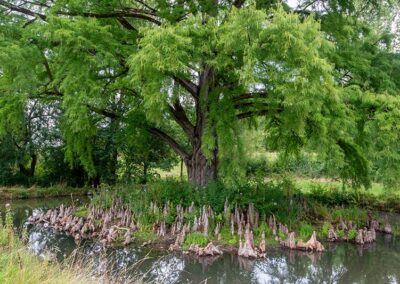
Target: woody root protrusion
pixel 311 245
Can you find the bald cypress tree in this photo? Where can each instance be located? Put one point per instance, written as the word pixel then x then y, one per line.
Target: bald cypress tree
pixel 194 74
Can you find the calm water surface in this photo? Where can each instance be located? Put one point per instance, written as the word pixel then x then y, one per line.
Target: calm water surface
pixel 341 263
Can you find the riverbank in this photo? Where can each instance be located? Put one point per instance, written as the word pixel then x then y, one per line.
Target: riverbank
pixel 10 193
pixel 160 266
pixel 207 221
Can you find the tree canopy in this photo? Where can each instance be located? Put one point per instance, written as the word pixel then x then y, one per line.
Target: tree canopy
pixel 111 81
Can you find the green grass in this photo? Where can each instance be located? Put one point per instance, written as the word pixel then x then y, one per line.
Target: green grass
pixel 305 231
pixel 306 185
pixel 175 172
pixel 8 193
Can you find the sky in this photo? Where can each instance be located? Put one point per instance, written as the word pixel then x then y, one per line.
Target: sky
pixel 292 3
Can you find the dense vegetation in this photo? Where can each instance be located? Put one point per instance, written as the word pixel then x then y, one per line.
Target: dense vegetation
pixel 98 92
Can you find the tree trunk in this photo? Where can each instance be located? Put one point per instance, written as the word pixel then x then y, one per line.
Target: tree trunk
pixel 200 169
pixel 30 172
pixel 145 172
pixel 33 165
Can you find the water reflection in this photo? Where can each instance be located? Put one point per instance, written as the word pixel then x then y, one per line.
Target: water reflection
pixel 341 263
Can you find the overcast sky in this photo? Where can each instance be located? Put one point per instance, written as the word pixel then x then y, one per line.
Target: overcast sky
pixel 292 3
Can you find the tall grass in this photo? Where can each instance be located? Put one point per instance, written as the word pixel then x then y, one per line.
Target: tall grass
pixel 18 265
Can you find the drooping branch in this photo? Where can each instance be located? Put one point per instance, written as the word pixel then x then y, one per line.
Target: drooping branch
pixel 246 105
pixel 250 105
pixel 170 141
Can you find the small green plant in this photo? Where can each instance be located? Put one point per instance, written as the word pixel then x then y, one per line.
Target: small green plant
pixel 352 234
pixel 305 231
pixel 282 236
pixel 263 228
pixel 189 216
pixel 81 212
pixel 145 234
pixel 227 238
pixel 104 199
pixel 195 239
pixel 340 233
pixel 325 229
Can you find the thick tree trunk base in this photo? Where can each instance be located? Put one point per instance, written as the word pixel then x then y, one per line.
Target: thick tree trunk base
pixel 201 170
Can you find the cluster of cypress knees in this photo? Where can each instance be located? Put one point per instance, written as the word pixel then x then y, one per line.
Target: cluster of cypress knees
pixel 118 224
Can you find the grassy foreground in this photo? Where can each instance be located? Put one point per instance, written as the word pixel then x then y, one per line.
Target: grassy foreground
pixel 18 265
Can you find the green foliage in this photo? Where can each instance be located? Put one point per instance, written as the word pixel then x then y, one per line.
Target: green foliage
pixel 357 215
pixel 340 233
pixel 103 199
pixel 352 234
pixel 305 231
pixel 195 239
pixel 263 228
pixel 145 234
pixel 81 212
pixel 227 238
pixel 325 229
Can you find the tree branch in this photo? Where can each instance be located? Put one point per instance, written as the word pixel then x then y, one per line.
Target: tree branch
pixel 128 13
pixel 22 10
pixel 104 112
pixel 246 96
pixel 170 141
pixel 252 113
pixel 181 118
pixel 191 87
pixel 126 24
